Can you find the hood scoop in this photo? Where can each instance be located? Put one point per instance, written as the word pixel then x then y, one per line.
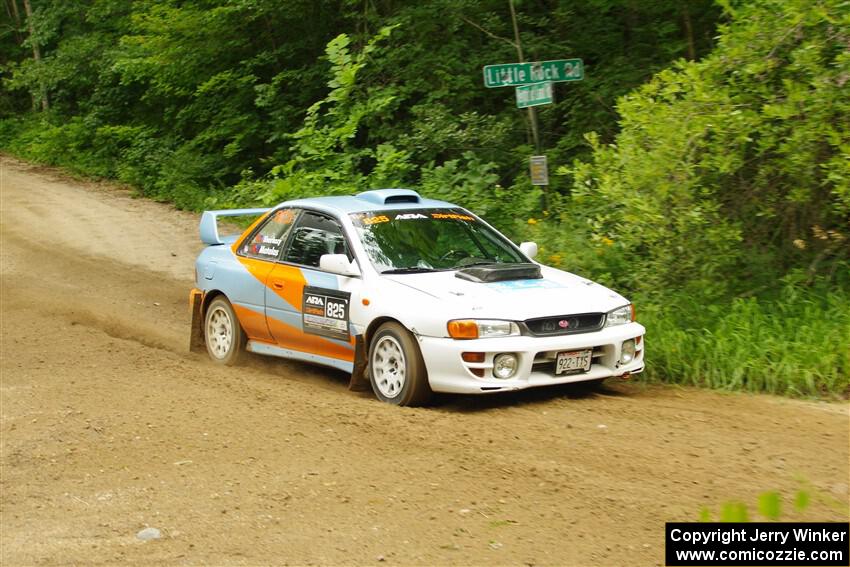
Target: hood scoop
pixel 500 273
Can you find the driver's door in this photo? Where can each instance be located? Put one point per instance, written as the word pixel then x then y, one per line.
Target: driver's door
pixel 307 309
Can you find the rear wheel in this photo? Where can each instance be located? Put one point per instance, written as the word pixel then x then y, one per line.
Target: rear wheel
pixel 396 369
pixel 223 335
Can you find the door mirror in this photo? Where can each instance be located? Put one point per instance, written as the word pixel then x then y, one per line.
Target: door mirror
pixel 338 264
pixel 529 249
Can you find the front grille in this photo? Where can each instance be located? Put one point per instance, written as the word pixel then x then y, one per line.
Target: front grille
pixel 565 324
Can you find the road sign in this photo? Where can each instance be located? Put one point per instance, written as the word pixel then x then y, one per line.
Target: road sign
pixel 539 170
pixel 534 94
pixel 513 74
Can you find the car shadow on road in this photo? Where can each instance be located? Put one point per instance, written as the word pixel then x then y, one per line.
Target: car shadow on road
pixel 304 372
pixel 337 380
pixel 529 397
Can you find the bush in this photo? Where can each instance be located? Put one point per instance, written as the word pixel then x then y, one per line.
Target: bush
pixel 729 171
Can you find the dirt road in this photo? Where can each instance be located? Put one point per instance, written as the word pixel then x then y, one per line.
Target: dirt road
pixel 109 426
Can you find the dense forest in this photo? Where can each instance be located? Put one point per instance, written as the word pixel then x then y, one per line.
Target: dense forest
pixel 702 166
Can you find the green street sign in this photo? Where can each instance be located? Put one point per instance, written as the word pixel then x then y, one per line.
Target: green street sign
pixel 513 74
pixel 534 95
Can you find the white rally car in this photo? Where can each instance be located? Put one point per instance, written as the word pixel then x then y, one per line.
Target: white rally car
pixel 408 294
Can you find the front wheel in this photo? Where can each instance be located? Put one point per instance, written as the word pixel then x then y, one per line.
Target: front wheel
pixel 223 335
pixel 396 369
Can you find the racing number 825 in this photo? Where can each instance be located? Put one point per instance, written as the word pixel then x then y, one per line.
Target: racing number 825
pixel 335 310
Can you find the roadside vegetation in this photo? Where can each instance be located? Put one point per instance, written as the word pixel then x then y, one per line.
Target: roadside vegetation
pixel 702 167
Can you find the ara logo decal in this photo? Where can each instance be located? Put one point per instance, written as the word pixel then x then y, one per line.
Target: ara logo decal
pixel 314 300
pixel 410 216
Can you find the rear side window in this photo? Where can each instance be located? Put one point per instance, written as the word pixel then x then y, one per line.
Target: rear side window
pixel 314 236
pixel 266 242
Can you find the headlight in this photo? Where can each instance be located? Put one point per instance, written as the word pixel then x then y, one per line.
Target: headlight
pixel 481 328
pixel 620 316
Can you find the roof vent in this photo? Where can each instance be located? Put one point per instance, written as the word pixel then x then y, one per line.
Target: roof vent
pixel 390 196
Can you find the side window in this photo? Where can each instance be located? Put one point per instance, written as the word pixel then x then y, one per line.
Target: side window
pixel 314 236
pixel 266 242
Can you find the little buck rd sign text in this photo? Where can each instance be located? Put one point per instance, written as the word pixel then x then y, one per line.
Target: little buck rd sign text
pixel 512 74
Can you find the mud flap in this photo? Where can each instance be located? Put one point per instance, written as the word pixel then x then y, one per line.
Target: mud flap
pixel 359 380
pixel 196 332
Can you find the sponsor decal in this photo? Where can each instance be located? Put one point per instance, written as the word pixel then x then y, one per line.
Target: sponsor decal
pixel 452 216
pixel 325 312
pixel 379 217
pixel 374 220
pixel 515 285
pixel 285 216
pixel 268 251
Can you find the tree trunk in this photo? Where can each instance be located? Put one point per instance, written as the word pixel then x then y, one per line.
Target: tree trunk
pixel 689 31
pixel 15 16
pixel 36 54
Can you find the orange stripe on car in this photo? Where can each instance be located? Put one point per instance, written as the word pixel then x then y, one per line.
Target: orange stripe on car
pixel 296 339
pixel 254 323
pixel 258 268
pixel 293 289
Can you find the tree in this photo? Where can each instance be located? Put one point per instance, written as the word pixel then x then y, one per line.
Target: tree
pixel 736 164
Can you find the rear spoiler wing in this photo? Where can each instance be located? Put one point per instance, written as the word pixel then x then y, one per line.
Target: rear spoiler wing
pixel 209 222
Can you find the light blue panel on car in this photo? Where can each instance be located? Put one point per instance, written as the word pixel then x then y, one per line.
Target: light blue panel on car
pixel 316 278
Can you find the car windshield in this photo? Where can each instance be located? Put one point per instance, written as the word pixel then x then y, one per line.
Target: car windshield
pixel 426 240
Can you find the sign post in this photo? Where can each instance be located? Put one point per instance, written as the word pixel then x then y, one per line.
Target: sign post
pixel 533 82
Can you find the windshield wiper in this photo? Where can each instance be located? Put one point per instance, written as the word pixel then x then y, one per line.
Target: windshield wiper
pixel 411 270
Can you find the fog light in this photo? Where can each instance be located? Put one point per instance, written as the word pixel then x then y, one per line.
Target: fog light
pixel 505 366
pixel 628 351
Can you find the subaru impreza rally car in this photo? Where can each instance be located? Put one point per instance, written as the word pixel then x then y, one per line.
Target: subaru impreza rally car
pixel 410 295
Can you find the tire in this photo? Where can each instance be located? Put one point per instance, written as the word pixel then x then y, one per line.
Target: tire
pixel 223 334
pixel 396 369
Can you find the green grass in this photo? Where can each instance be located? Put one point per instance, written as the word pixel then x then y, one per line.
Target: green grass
pixel 797 344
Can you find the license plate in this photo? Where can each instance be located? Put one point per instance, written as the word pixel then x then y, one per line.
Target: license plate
pixel 573 362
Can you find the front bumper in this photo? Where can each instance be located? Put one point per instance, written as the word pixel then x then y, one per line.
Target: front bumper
pixel 448 372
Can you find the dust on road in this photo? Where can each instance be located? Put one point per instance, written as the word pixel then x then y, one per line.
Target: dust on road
pixel 109 425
